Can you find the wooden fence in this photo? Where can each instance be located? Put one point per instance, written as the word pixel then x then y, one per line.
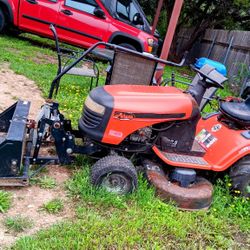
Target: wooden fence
pixel 215 43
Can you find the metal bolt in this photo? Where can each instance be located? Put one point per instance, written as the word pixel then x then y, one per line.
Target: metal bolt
pixel 14 162
pixel 14 166
pixel 69 150
pixel 70 137
pixel 63 139
pixel 57 125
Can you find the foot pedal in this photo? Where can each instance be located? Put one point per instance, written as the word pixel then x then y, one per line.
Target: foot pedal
pixel 185 159
pixel 197 149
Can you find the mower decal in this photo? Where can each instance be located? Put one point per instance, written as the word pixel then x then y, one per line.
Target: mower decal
pixel 245 149
pixel 205 139
pixel 216 127
pixel 115 133
pixel 125 116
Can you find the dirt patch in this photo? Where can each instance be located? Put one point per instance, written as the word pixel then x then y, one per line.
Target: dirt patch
pixel 44 59
pixel 14 87
pixel 27 201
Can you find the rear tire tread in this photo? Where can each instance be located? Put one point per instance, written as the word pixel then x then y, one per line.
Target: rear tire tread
pixel 240 175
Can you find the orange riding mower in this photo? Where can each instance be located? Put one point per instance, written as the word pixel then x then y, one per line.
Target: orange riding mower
pixel 155 129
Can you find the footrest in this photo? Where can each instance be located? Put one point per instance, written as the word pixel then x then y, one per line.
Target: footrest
pixel 185 159
pixel 182 160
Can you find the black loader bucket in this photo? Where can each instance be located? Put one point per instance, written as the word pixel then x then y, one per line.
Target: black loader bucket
pixel 13 132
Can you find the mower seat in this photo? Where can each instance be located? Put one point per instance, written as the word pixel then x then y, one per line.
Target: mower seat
pixel 237 111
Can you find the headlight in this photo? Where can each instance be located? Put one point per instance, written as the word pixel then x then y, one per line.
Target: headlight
pixel 93 106
pixel 150 44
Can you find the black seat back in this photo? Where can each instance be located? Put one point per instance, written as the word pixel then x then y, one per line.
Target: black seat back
pixel 131 69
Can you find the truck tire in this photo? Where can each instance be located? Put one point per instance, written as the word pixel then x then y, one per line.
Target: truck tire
pixel 114 173
pixel 240 177
pixel 127 46
pixel 2 21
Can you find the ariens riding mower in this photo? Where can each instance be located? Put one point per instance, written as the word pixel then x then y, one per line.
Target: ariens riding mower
pixel 159 128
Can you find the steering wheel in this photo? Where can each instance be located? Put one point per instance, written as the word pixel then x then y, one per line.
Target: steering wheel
pixel 217 80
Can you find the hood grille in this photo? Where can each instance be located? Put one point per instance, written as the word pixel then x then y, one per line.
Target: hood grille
pixel 91 119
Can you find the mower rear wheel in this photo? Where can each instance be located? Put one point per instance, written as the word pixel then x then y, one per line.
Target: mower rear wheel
pixel 240 176
pixel 114 173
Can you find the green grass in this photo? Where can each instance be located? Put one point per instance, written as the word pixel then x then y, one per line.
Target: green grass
pixel 45 182
pixel 5 201
pixel 136 221
pixel 18 224
pixel 141 220
pixel 54 206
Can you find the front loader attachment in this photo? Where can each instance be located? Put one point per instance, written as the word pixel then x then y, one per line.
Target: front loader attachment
pixel 13 133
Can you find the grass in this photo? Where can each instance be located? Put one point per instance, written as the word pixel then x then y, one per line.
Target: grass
pixel 141 220
pixel 54 206
pixel 45 182
pixel 18 224
pixel 5 201
pixel 136 221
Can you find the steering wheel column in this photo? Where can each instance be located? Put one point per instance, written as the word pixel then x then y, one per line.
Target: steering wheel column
pixel 209 77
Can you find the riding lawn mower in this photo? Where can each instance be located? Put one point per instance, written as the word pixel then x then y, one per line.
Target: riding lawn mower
pixel 157 129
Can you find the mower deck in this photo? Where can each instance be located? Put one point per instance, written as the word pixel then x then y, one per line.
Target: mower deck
pixel 194 197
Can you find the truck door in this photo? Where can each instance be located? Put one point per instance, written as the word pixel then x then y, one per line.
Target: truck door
pixel 36 15
pixel 78 24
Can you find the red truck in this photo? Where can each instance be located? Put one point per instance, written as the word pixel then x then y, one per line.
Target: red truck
pixel 82 22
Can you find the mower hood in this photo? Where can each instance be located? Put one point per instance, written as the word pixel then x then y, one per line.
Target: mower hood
pixel 151 100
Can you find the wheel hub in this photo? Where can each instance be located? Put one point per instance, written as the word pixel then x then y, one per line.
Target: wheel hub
pixel 116 183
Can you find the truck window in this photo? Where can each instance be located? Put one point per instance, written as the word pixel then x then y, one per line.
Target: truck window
pixel 126 9
pixel 83 5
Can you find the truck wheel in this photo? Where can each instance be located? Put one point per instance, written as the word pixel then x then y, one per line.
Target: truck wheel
pixel 240 176
pixel 116 174
pixel 127 46
pixel 2 21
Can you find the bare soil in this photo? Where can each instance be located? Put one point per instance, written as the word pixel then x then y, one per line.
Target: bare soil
pixel 27 201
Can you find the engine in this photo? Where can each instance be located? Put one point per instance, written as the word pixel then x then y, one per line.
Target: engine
pixel 142 135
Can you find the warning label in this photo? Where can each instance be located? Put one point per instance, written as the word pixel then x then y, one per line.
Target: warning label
pixel 205 139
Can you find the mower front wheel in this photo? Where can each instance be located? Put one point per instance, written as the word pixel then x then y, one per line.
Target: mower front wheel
pixel 114 173
pixel 240 177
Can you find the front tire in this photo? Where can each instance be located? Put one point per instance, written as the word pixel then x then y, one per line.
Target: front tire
pixel 127 46
pixel 2 21
pixel 114 173
pixel 240 176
